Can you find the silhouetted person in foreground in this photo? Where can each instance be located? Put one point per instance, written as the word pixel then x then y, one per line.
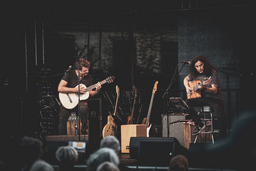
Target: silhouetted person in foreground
pixel 30 151
pixel 113 143
pixel 179 163
pixel 67 157
pixel 238 150
pixel 107 166
pixel 41 165
pixel 100 156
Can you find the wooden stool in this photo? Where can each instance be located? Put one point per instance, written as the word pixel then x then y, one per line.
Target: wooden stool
pixel 189 127
pixel 206 110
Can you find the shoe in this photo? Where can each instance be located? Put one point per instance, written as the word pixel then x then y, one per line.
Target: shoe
pixel 198 130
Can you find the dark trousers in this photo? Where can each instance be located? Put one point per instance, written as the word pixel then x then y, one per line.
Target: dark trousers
pixel 65 113
pixel 218 107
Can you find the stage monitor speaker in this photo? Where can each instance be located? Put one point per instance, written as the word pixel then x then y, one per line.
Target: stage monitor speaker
pixel 155 151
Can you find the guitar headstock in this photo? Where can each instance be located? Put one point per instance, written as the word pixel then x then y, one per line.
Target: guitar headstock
pixel 110 79
pixel 117 90
pixel 155 87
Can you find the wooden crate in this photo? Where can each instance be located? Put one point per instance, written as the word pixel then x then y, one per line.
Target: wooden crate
pixel 189 138
pixel 131 130
pixel 71 129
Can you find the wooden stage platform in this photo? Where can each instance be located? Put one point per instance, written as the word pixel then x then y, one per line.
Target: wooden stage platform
pixel 66 138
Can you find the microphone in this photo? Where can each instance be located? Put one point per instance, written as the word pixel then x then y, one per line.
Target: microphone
pixel 186 62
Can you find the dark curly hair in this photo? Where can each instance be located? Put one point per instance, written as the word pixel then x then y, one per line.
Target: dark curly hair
pixel 208 67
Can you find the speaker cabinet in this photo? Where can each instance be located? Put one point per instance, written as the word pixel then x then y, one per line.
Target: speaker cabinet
pixel 95 118
pixel 155 151
pixel 176 129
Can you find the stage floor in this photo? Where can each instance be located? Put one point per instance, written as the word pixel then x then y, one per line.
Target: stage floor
pixel 66 138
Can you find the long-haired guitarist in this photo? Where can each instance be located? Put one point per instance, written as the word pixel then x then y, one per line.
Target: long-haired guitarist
pixel 202 86
pixel 68 84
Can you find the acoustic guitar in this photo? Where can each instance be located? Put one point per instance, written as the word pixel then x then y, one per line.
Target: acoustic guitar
pixel 196 93
pixel 130 118
pixel 110 128
pixel 146 120
pixel 70 100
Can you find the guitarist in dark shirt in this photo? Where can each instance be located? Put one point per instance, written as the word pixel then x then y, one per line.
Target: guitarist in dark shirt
pixel 68 84
pixel 210 93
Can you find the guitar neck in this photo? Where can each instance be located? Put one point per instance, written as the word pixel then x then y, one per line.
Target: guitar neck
pixel 151 102
pixel 139 114
pixel 133 108
pixel 117 98
pixel 201 84
pixel 116 105
pixel 131 118
pixel 95 85
pixel 150 109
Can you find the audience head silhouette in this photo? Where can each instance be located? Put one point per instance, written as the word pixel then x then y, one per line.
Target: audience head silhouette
pixel 100 156
pixel 107 166
pixel 30 151
pixel 41 165
pixel 67 157
pixel 178 163
pixel 111 142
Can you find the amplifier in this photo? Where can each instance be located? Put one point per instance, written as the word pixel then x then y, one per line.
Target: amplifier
pixel 176 129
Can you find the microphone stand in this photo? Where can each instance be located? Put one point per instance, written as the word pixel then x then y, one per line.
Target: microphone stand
pixel 172 80
pixel 78 105
pixel 166 92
